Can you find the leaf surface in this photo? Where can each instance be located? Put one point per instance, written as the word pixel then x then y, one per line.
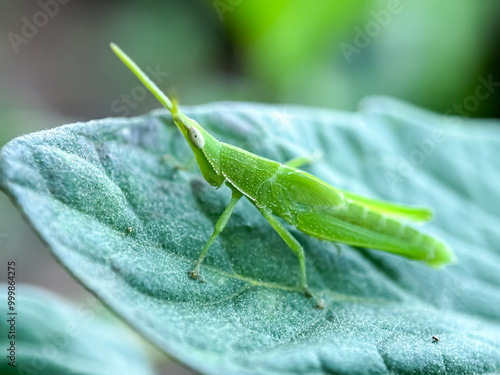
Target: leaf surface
pixel 53 337
pixel 110 201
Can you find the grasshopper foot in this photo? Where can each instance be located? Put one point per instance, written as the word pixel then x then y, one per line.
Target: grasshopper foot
pixel 320 304
pixel 307 292
pixel 194 274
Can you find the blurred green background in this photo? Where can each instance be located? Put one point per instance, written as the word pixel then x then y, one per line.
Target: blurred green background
pixel 56 68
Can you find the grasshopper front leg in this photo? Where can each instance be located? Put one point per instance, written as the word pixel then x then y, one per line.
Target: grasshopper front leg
pixel 219 227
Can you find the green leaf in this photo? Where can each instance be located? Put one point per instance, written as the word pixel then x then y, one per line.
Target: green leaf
pixel 52 337
pixel 128 224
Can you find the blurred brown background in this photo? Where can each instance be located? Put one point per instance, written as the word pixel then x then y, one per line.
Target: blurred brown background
pixel 56 67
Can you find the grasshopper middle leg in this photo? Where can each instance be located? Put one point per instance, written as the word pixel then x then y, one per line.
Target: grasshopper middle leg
pixel 294 245
pixel 303 160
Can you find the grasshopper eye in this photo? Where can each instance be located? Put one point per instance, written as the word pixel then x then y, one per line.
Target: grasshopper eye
pixel 196 137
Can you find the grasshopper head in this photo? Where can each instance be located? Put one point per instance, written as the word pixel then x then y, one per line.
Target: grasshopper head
pixel 206 148
pixel 188 127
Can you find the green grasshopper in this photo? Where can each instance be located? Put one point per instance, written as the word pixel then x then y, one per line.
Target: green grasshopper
pixel 299 198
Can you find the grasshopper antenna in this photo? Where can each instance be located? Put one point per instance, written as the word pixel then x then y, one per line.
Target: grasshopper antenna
pixel 162 98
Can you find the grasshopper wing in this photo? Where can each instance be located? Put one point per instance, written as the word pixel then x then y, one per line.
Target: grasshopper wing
pixel 291 191
pixel 398 211
pixel 305 189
